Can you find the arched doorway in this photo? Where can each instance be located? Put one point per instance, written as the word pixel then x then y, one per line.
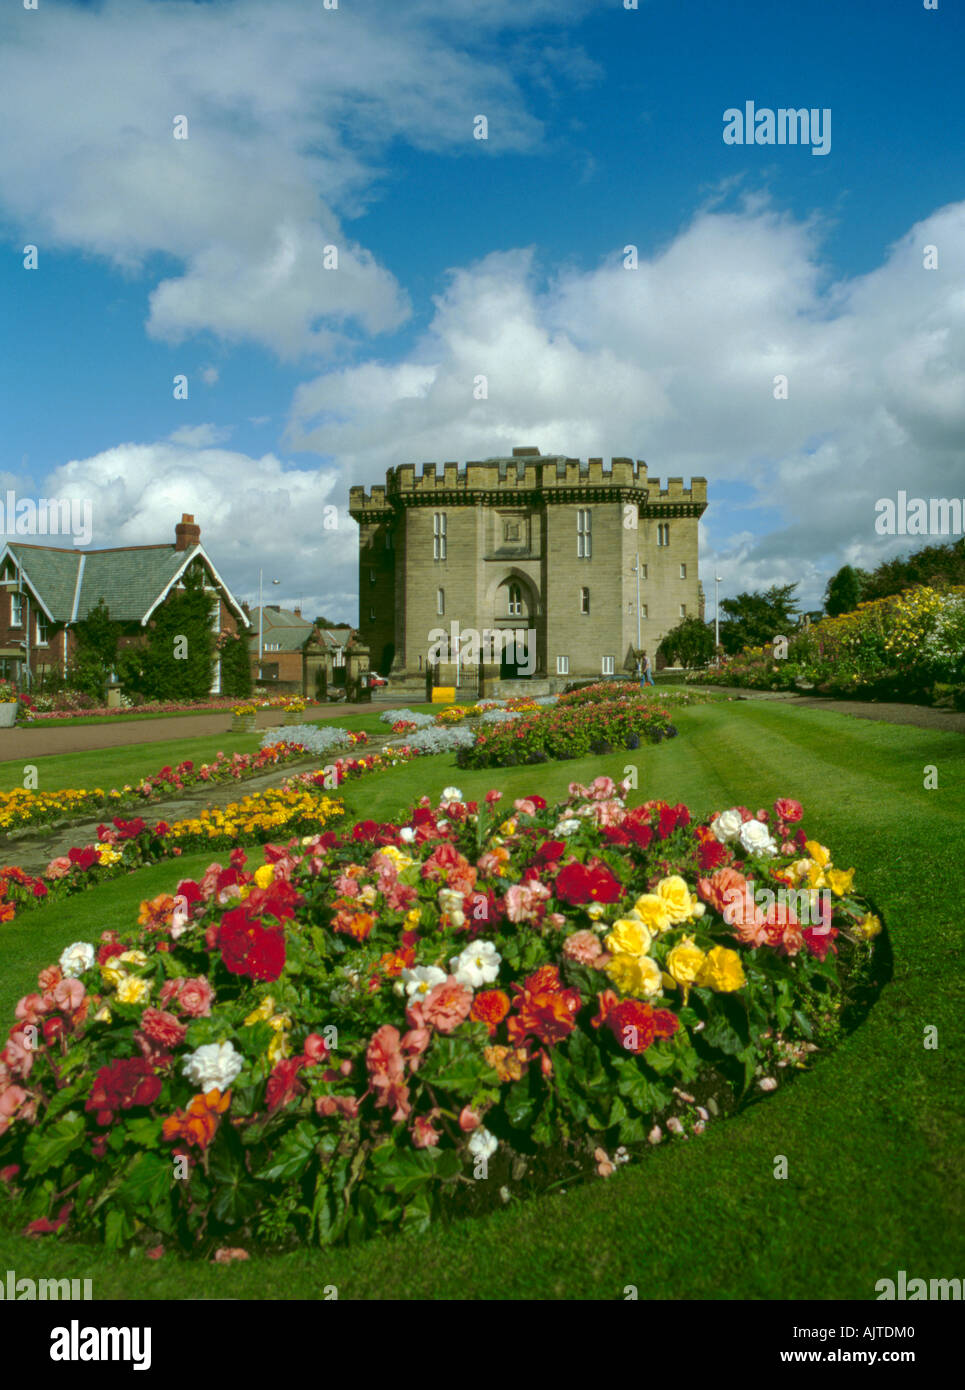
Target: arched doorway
pixel 515 608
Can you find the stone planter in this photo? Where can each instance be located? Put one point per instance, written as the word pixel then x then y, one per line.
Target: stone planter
pixel 294 717
pixel 8 714
pixel 242 723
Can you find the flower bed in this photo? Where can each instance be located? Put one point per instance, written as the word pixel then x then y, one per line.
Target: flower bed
pixel 408 716
pixel 77 708
pixel 909 645
pixel 130 844
pixel 318 738
pixel 568 733
pixel 24 807
pixel 332 1044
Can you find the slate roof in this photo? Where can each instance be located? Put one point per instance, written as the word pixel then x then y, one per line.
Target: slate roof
pixel 130 579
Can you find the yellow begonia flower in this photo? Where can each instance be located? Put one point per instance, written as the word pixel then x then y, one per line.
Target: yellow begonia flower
pixel 138 958
pixel 840 881
pixel 628 937
pixel 413 917
pixel 678 898
pixel 816 876
pixel 103 1014
pixel 869 926
pixel 263 1012
pixel 133 990
pixel 722 971
pixel 112 973
pixel 684 964
pixel 637 975
pixel 278 1047
pixel 400 860
pixel 508 827
pixel 280 1021
pixel 265 875
pixel 368 894
pixel 819 853
pixel 595 911
pixel 653 912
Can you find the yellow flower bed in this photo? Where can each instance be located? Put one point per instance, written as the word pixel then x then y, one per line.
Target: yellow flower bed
pixel 21 806
pixel 271 811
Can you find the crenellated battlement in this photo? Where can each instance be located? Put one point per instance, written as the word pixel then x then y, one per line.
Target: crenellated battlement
pixel 525 477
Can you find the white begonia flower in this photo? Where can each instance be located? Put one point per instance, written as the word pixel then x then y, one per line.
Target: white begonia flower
pixel 452 794
pixel 214 1066
pixel 407 834
pixel 420 980
pixel 727 826
pixel 756 838
pixel 76 958
pixel 476 965
pixel 568 826
pixel 482 1144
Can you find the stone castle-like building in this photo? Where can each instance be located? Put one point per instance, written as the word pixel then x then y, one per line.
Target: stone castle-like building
pixel 542 547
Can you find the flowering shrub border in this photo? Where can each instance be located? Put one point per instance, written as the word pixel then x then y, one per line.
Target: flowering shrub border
pixel 23 807
pixel 330 1045
pixel 32 715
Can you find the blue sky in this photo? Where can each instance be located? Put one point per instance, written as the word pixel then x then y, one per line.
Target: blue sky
pixel 458 256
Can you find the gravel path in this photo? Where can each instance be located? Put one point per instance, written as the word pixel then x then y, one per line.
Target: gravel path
pixel 38 740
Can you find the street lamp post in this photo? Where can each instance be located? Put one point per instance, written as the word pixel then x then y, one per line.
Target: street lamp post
pixel 261 615
pixel 716 618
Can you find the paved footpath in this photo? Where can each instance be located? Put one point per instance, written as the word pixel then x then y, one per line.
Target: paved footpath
pixel 33 851
pixel 37 741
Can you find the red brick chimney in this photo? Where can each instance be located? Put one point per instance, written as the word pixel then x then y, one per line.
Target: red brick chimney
pixel 186 533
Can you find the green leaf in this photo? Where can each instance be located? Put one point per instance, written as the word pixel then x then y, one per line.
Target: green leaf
pixel 292 1155
pixel 145 1189
pixel 45 1148
pixel 402 1172
pixel 519 1104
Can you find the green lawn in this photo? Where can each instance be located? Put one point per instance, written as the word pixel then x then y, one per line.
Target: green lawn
pixel 873 1136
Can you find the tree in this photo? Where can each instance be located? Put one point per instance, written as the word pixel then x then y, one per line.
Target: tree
pixel 690 643
pixel 754 620
pixel 95 653
pixel 328 622
pixel 235 664
pixel 843 591
pixel 178 661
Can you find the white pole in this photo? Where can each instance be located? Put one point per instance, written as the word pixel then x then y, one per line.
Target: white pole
pixel 716 616
pixel 261 617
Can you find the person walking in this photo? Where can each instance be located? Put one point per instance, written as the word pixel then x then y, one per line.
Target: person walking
pixel 647 670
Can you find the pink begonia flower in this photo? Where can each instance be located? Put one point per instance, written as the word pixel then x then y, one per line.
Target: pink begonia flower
pixel 424 1134
pixel 602 789
pixel 523 900
pixel 57 868
pixel 557 920
pixel 30 1008
pixel 608 813
pixel 603 1165
pixel 227 1253
pixel 655 1135
pixel 447 1005
pixel 69 995
pixel 584 947
pixel 468 1120
pixel 18 1054
pixel 525 807
pixel 767 1083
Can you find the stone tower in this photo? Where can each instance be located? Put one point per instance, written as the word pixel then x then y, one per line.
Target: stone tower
pixel 535 545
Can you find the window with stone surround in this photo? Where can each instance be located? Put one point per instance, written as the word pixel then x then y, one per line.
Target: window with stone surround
pixel 584 538
pixel 43 630
pixel 643 610
pixel 584 600
pixel 438 535
pixel 683 571
pixel 663 533
pixel 608 665
pixel 440 601
pixel 683 610
pixel 515 600
pixel 562 665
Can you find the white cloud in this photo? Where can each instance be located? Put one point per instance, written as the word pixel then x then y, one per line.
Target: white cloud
pixel 201 436
pixel 210 375
pixel 291 112
pixel 676 362
pixel 254 513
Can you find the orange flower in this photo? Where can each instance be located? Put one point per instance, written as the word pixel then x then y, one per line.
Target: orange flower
pixel 507 1062
pixel 7 912
pixel 157 912
pixel 199 1123
pixel 490 1007
pixel 352 923
pixel 394 962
